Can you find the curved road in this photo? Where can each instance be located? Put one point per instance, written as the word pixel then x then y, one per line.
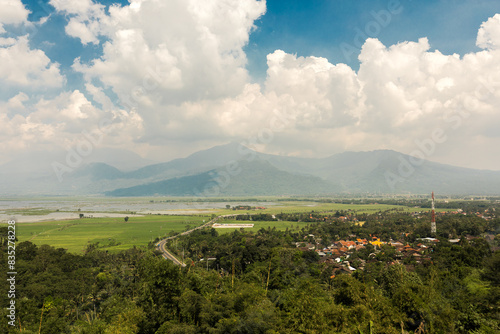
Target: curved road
pixel 161 245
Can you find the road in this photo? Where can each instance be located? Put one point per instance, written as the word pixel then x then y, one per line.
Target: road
pixel 161 245
pixel 166 254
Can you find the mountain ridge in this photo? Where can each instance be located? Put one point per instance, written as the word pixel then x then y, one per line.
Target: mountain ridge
pixel 250 178
pixel 379 171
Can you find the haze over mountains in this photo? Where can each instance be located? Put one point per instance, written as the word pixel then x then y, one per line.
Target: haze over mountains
pixel 234 170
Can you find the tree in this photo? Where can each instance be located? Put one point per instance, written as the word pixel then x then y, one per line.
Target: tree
pixel 172 327
pixel 160 291
pixel 123 315
pixel 26 250
pixel 307 308
pixel 492 269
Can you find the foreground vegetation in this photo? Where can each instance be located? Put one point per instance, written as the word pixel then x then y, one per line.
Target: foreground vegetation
pixel 261 282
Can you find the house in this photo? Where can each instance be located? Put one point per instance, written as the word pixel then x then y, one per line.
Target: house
pixel 358 247
pixel 396 244
pixel 376 242
pixel 428 239
pixel 320 253
pixel 347 244
pixel 338 271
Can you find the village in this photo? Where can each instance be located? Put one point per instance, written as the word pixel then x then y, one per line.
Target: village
pixel 352 253
pixel 341 252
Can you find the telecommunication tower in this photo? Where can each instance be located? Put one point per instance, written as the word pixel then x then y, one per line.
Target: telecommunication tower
pixel 433 217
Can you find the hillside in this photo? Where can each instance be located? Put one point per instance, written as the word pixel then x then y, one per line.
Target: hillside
pixel 252 178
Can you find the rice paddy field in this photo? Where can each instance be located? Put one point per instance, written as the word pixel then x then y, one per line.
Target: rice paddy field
pixel 113 234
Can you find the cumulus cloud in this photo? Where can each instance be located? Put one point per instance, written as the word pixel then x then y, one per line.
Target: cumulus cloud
pixel 85 16
pixel 21 66
pixel 164 60
pixel 13 12
pixel 16 103
pixel 24 67
pixel 488 36
pixel 62 122
pixel 176 51
pixel 321 94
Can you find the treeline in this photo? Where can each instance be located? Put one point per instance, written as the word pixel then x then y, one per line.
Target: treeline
pixel 423 202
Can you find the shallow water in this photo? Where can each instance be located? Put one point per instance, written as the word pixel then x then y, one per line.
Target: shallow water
pixel 57 216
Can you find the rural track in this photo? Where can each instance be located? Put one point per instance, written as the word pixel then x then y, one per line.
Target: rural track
pixel 161 245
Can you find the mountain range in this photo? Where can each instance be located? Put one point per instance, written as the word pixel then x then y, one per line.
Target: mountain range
pixel 235 170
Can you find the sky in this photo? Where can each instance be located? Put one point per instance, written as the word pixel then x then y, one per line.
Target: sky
pixel 164 79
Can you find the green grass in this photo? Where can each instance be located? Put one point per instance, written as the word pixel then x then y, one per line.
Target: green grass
pixel 75 235
pixel 279 225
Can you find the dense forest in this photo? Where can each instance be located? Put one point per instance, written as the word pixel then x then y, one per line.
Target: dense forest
pixel 268 282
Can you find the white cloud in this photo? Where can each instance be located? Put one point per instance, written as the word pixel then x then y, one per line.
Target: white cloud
pixel 488 36
pixel 67 107
pixel 163 57
pixel 86 32
pixel 22 66
pixel 186 50
pixel 7 41
pixel 13 12
pixel 17 102
pixel 323 94
pixel 61 123
pixel 85 18
pixel 84 8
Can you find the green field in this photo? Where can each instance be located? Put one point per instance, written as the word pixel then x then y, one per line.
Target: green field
pixel 113 234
